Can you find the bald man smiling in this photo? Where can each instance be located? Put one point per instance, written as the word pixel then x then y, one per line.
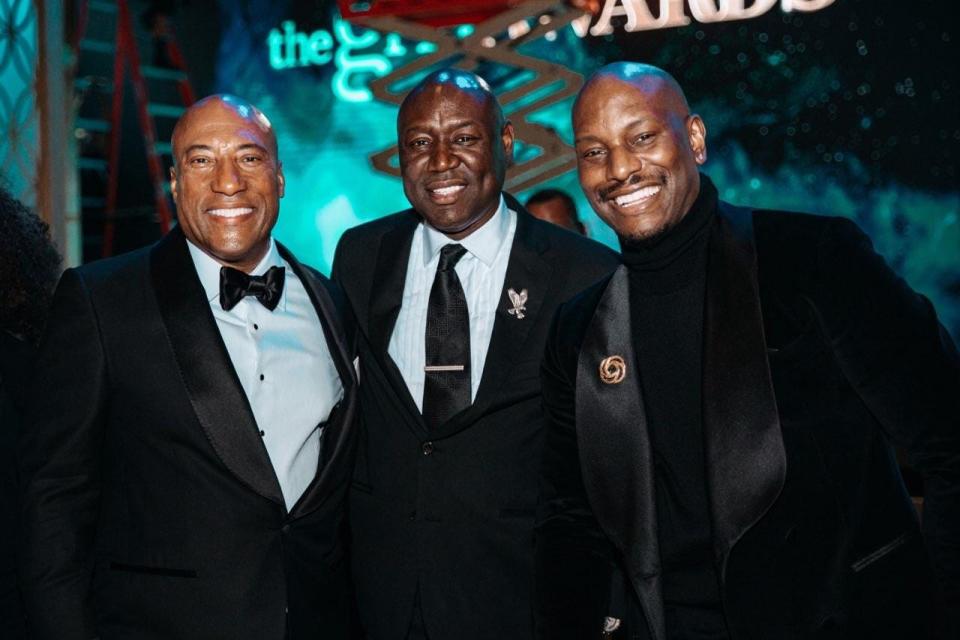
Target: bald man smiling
pixel 453 300
pixel 190 429
pixel 721 411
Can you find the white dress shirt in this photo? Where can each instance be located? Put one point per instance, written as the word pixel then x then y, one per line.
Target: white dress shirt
pixel 482 271
pixel 284 366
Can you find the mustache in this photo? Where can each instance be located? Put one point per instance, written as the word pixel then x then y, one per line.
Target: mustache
pixel 657 177
pixel 440 177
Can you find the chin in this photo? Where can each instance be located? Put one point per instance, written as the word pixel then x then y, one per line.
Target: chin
pixel 448 221
pixel 442 224
pixel 647 237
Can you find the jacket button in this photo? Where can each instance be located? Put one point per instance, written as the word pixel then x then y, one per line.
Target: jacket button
pixel 427 448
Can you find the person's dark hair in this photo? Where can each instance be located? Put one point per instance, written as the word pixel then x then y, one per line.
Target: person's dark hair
pixel 546 195
pixel 29 269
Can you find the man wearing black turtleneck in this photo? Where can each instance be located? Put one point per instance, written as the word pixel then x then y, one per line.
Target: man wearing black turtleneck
pixel 667 276
pixel 721 411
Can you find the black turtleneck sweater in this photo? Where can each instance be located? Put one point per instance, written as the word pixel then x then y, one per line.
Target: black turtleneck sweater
pixel 667 285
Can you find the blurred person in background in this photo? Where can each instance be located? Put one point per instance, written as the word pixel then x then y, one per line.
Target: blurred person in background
pixel 553 205
pixel 29 267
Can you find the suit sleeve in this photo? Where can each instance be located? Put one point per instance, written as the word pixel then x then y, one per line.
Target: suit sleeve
pixel 343 302
pixel 904 366
pixel 339 258
pixel 573 558
pixel 59 458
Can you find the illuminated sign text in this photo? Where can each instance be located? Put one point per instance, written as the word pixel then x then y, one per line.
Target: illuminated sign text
pixel 639 17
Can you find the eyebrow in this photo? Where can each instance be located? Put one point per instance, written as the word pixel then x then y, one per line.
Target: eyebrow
pixel 197 147
pixel 243 147
pixel 459 124
pixel 251 145
pixel 588 138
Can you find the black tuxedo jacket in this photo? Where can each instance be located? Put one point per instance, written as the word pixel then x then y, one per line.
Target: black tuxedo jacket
pixel 151 507
pixel 452 510
pixel 816 358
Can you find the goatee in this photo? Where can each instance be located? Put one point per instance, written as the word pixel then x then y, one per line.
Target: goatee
pixel 648 241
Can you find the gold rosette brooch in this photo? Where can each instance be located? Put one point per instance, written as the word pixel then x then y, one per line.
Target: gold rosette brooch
pixel 613 370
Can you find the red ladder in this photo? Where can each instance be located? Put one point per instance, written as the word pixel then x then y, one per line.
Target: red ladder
pixel 127 57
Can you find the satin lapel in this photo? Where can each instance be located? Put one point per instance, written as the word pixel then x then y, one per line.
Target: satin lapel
pixel 615 453
pixel 386 296
pixel 336 432
pixel 528 269
pixel 746 462
pixel 212 384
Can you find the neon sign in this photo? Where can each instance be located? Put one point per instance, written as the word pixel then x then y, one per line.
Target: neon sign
pixel 639 17
pixel 357 56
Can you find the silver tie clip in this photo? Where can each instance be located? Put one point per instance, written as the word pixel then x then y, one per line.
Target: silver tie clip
pixel 437 368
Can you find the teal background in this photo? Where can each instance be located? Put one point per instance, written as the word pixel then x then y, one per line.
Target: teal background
pixel 851 111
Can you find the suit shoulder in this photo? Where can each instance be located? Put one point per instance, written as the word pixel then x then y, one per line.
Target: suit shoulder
pixel 375 228
pixel 576 244
pixel 118 269
pixel 587 260
pixel 574 316
pixel 792 242
pixel 585 302
pixel 792 227
pixel 357 244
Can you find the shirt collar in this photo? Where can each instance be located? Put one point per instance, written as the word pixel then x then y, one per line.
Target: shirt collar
pixel 484 243
pixel 208 270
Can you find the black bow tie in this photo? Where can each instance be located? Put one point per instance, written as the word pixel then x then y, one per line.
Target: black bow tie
pixel 235 284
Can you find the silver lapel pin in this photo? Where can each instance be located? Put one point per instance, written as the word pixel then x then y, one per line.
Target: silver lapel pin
pixel 519 301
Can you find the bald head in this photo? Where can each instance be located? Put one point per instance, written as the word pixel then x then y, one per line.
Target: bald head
pixel 638 149
pixel 216 106
pixel 449 80
pixel 650 80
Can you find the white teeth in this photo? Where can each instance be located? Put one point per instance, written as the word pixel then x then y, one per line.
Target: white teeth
pixel 230 213
pixel 446 191
pixel 636 196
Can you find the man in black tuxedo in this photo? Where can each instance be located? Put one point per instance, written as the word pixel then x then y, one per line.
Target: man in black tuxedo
pixel 720 411
pixel 189 440
pixel 452 299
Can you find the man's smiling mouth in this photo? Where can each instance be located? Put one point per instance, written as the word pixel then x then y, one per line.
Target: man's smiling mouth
pixel 232 212
pixel 637 197
pixel 447 190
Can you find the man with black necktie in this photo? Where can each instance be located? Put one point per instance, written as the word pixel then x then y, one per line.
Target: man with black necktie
pixel 452 299
pixel 189 434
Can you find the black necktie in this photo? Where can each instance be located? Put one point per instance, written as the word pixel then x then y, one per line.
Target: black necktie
pixel 235 284
pixel 446 388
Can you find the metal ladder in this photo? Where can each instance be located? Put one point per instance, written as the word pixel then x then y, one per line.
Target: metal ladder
pixel 105 30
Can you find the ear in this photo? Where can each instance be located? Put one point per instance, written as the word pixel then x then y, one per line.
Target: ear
pixel 506 137
pixel 281 181
pixel 697 134
pixel 173 183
